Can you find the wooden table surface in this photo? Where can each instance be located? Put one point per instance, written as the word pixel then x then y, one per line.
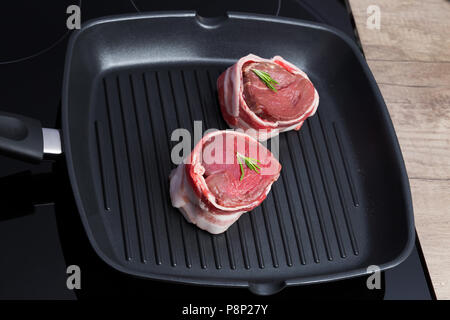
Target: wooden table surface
pixel 409 56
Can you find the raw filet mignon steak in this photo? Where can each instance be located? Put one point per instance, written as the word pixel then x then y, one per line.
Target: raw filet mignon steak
pixel 228 173
pixel 266 96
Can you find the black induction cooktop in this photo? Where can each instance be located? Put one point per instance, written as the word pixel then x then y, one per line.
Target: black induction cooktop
pixel 40 230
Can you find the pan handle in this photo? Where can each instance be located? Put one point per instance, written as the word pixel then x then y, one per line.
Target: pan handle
pixel 25 139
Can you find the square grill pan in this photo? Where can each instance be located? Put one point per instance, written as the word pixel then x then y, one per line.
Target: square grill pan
pixel 341 204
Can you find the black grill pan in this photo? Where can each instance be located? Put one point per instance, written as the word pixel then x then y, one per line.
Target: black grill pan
pixel 341 204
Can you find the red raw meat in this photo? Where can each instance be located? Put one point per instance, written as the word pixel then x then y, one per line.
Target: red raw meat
pixel 207 187
pixel 247 103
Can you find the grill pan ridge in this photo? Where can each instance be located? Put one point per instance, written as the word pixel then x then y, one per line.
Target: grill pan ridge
pixel 322 220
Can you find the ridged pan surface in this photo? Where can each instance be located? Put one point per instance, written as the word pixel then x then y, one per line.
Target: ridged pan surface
pixel 341 203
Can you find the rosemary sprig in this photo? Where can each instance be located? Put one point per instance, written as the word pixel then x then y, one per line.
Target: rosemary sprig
pixel 250 163
pixel 266 78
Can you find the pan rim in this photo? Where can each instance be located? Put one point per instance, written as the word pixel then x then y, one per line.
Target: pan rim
pixel 405 186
